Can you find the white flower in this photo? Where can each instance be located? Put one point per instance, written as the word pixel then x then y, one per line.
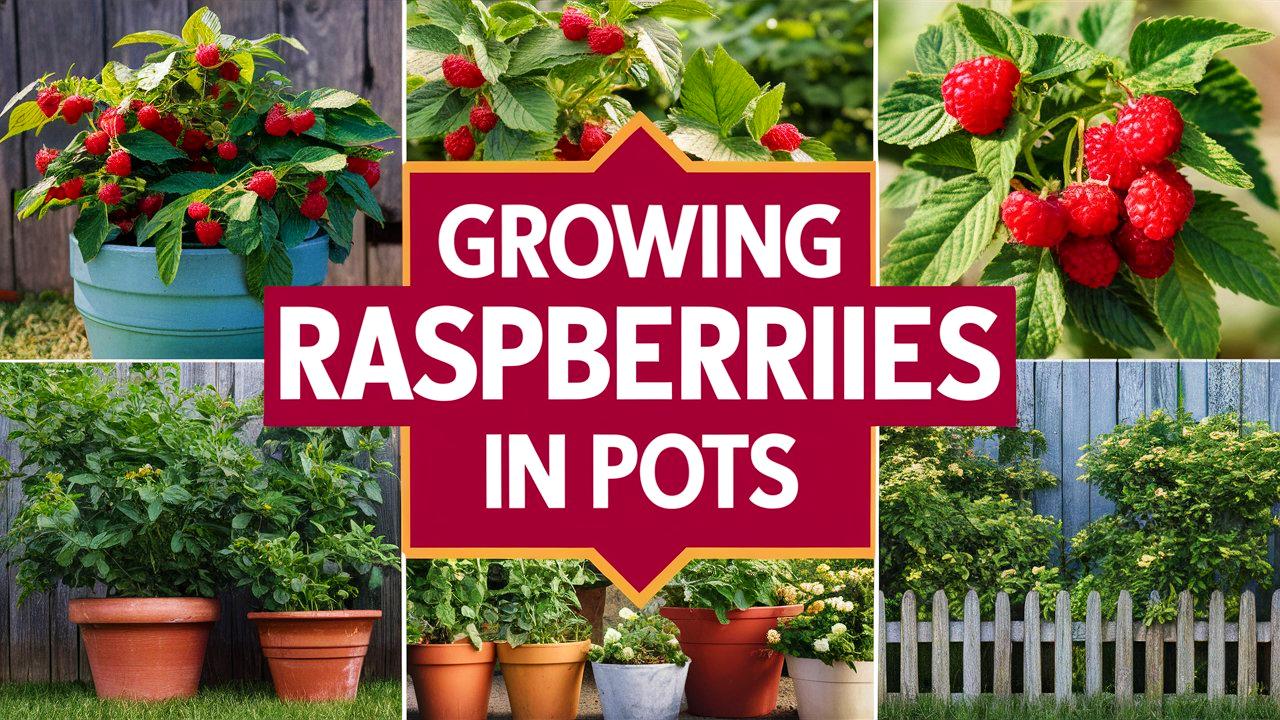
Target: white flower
pixel 611 636
pixel 772 637
pixel 626 613
pixel 839 629
pixel 627 653
pixel 674 642
pixel 821 645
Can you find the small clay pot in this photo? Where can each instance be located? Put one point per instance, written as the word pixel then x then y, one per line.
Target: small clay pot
pixel 452 682
pixel 145 648
pixel 544 681
pixel 315 655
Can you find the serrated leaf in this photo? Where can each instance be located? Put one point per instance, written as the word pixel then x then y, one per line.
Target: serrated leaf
pixel 676 9
pixel 1118 315
pixel 353 126
pixel 764 111
pixel 452 15
pixel 1185 304
pixel 243 236
pixel 1230 249
pixel 331 98
pixel 1105 25
pixel 168 251
pixel 503 143
pixel 945 235
pixel 941 46
pixel 432 38
pixel 1057 55
pixel 294 228
pixel 156 37
pixel 998 34
pixel 152 74
pixel 492 57
pixel 91 230
pixel 524 105
pixel 149 146
pixel 267 267
pixel 812 150
pixel 911 113
pixel 26 116
pixel 188 182
pixel 1242 148
pixel 996 154
pixel 542 48
pixel 1224 101
pixel 1172 53
pixel 320 159
pixel 703 140
pixel 954 151
pixel 435 109
pixel 912 186
pixel 1203 153
pixel 717 89
pixel 662 48
pixel 13 99
pixel 1039 300
pixel 359 191
pixel 202 27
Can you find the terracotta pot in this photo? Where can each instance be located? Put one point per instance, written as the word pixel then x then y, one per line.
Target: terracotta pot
pixel 544 682
pixel 733 673
pixel 591 601
pixel 315 655
pixel 145 648
pixel 452 682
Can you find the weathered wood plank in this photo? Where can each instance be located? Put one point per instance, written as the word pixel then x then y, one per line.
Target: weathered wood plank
pixel 1104 397
pixel 882 655
pixel 1124 648
pixel 128 16
pixel 383 261
pixel 1247 647
pixel 1225 388
pixel 1154 647
pixel 12 168
pixel 1048 420
pixel 1162 385
pixel 909 668
pixel 1093 645
pixel 1031 647
pixel 941 648
pixel 1062 647
pixel 972 645
pixel 1217 668
pixel 1186 646
pixel 1002 664
pixel 1274 686
pixel 384 86
pixel 1075 433
pixel 1193 374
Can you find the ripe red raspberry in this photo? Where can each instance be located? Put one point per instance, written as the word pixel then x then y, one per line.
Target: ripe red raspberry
pixel 373 174
pixel 170 128
pixel 594 137
pixel 71 189
pixel 214 91
pixel 208 56
pixel 1160 202
pixel 1150 128
pixel 606 39
pixel 74 107
pixel 228 150
pixel 1033 220
pixel 461 72
pixel 49 100
pixel 1092 208
pixel 263 183
pixel 567 149
pixel 109 193
pixel 575 24
pixel 194 140
pixel 124 225
pixel 459 144
pixel 208 232
pixel 119 163
pixel 1107 159
pixel 979 93
pixel 314 206
pixel 198 211
pixel 1147 258
pixel 112 122
pixel 151 204
pixel 229 71
pixel 277 122
pixel 301 121
pixel 149 117
pixel 483 118
pixel 357 165
pixel 96 143
pixel 44 156
pixel 1090 261
pixel 783 137
pixel 318 184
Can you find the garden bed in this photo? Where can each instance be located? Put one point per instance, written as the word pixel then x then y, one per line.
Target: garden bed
pixel 42 326
pixel 1098 709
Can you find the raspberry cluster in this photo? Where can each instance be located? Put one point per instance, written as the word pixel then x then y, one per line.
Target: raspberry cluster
pixel 603 38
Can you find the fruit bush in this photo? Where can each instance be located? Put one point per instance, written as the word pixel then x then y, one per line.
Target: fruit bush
pixel 838 621
pixel 125 485
pixel 724 585
pixel 204 146
pixel 640 639
pixel 537 602
pixel 953 518
pixel 449 601
pixel 1193 512
pixel 1063 160
pixel 510 82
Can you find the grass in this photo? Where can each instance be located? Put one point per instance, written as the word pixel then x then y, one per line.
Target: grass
pixel 1103 708
pixel 73 701
pixel 42 326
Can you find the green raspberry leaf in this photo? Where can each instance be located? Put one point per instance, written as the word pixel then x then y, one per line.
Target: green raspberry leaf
pixel 1105 25
pixel 1224 100
pixel 1057 56
pixel 813 150
pixel 435 109
pixel 456 16
pixel 432 38
pixel 997 34
pixel 704 141
pixel 912 114
pixel 542 48
pixel 524 105
pixel 503 143
pixel 996 155
pixel 717 89
pixel 1242 147
pixel 676 9
pixel 943 45
pixel 954 151
pixel 1172 53
pixel 26 116
pixel 168 250
pixel 913 185
pixel 1203 153
pixel 1037 282
pixel 149 146
pixel 91 230
pixel 662 48
pixel 268 267
pixel 765 111
pixel 1230 249
pixel 1118 315
pixel 945 235
pixel 243 236
pixel 1185 304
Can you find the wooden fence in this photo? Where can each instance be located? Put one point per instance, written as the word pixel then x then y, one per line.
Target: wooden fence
pixel 355 44
pixel 992 670
pixel 39 644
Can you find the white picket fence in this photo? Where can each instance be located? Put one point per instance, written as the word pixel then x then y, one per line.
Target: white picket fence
pixel 1064 632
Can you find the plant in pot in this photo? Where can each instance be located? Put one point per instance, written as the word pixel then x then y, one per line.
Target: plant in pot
pixel 640 668
pixel 450 630
pixel 125 487
pixel 543 639
pixel 304 546
pixel 725 609
pixel 830 646
pixel 200 178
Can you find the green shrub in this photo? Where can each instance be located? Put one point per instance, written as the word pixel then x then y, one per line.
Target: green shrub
pixel 838 622
pixel 724 585
pixel 640 639
pixel 449 600
pixel 537 601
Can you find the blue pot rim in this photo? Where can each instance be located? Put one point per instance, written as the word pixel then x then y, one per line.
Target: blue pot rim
pixel 151 249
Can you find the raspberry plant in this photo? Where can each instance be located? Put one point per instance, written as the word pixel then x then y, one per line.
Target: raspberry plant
pixel 202 144
pixel 510 82
pixel 1064 160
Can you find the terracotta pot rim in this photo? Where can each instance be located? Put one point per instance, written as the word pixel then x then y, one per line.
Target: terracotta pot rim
pixel 316 615
pixel 143 611
pixel 754 613
pixel 457 653
pixel 544 653
pixel 573 643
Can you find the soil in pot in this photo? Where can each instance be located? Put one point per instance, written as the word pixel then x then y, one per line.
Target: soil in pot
pixel 452 682
pixel 145 648
pixel 640 692
pixel 544 681
pixel 315 656
pixel 833 692
pixel 733 673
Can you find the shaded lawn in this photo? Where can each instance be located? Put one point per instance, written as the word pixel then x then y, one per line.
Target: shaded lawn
pixel 1103 708
pixel 42 326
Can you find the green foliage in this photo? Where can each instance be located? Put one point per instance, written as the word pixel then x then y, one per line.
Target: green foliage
pixel 838 622
pixel 1193 511
pixel 449 601
pixel 956 181
pixel 724 585
pixel 42 325
pixel 124 484
pixel 640 639
pixel 304 534
pixel 953 518
pixel 537 602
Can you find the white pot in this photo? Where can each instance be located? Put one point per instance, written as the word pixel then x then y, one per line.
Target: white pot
pixel 833 692
pixel 640 692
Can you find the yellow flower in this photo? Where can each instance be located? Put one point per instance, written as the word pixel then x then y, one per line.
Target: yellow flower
pixel 1146 560
pixel 266 506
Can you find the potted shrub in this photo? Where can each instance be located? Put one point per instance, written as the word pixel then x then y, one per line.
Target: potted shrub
pixel 543 640
pixel 200 178
pixel 450 628
pixel 125 488
pixel 725 609
pixel 640 669
pixel 304 547
pixel 830 646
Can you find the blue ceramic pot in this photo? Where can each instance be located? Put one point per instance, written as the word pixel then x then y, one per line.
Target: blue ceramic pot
pixel 207 312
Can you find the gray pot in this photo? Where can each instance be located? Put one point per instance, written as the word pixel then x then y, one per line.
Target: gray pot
pixel 640 692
